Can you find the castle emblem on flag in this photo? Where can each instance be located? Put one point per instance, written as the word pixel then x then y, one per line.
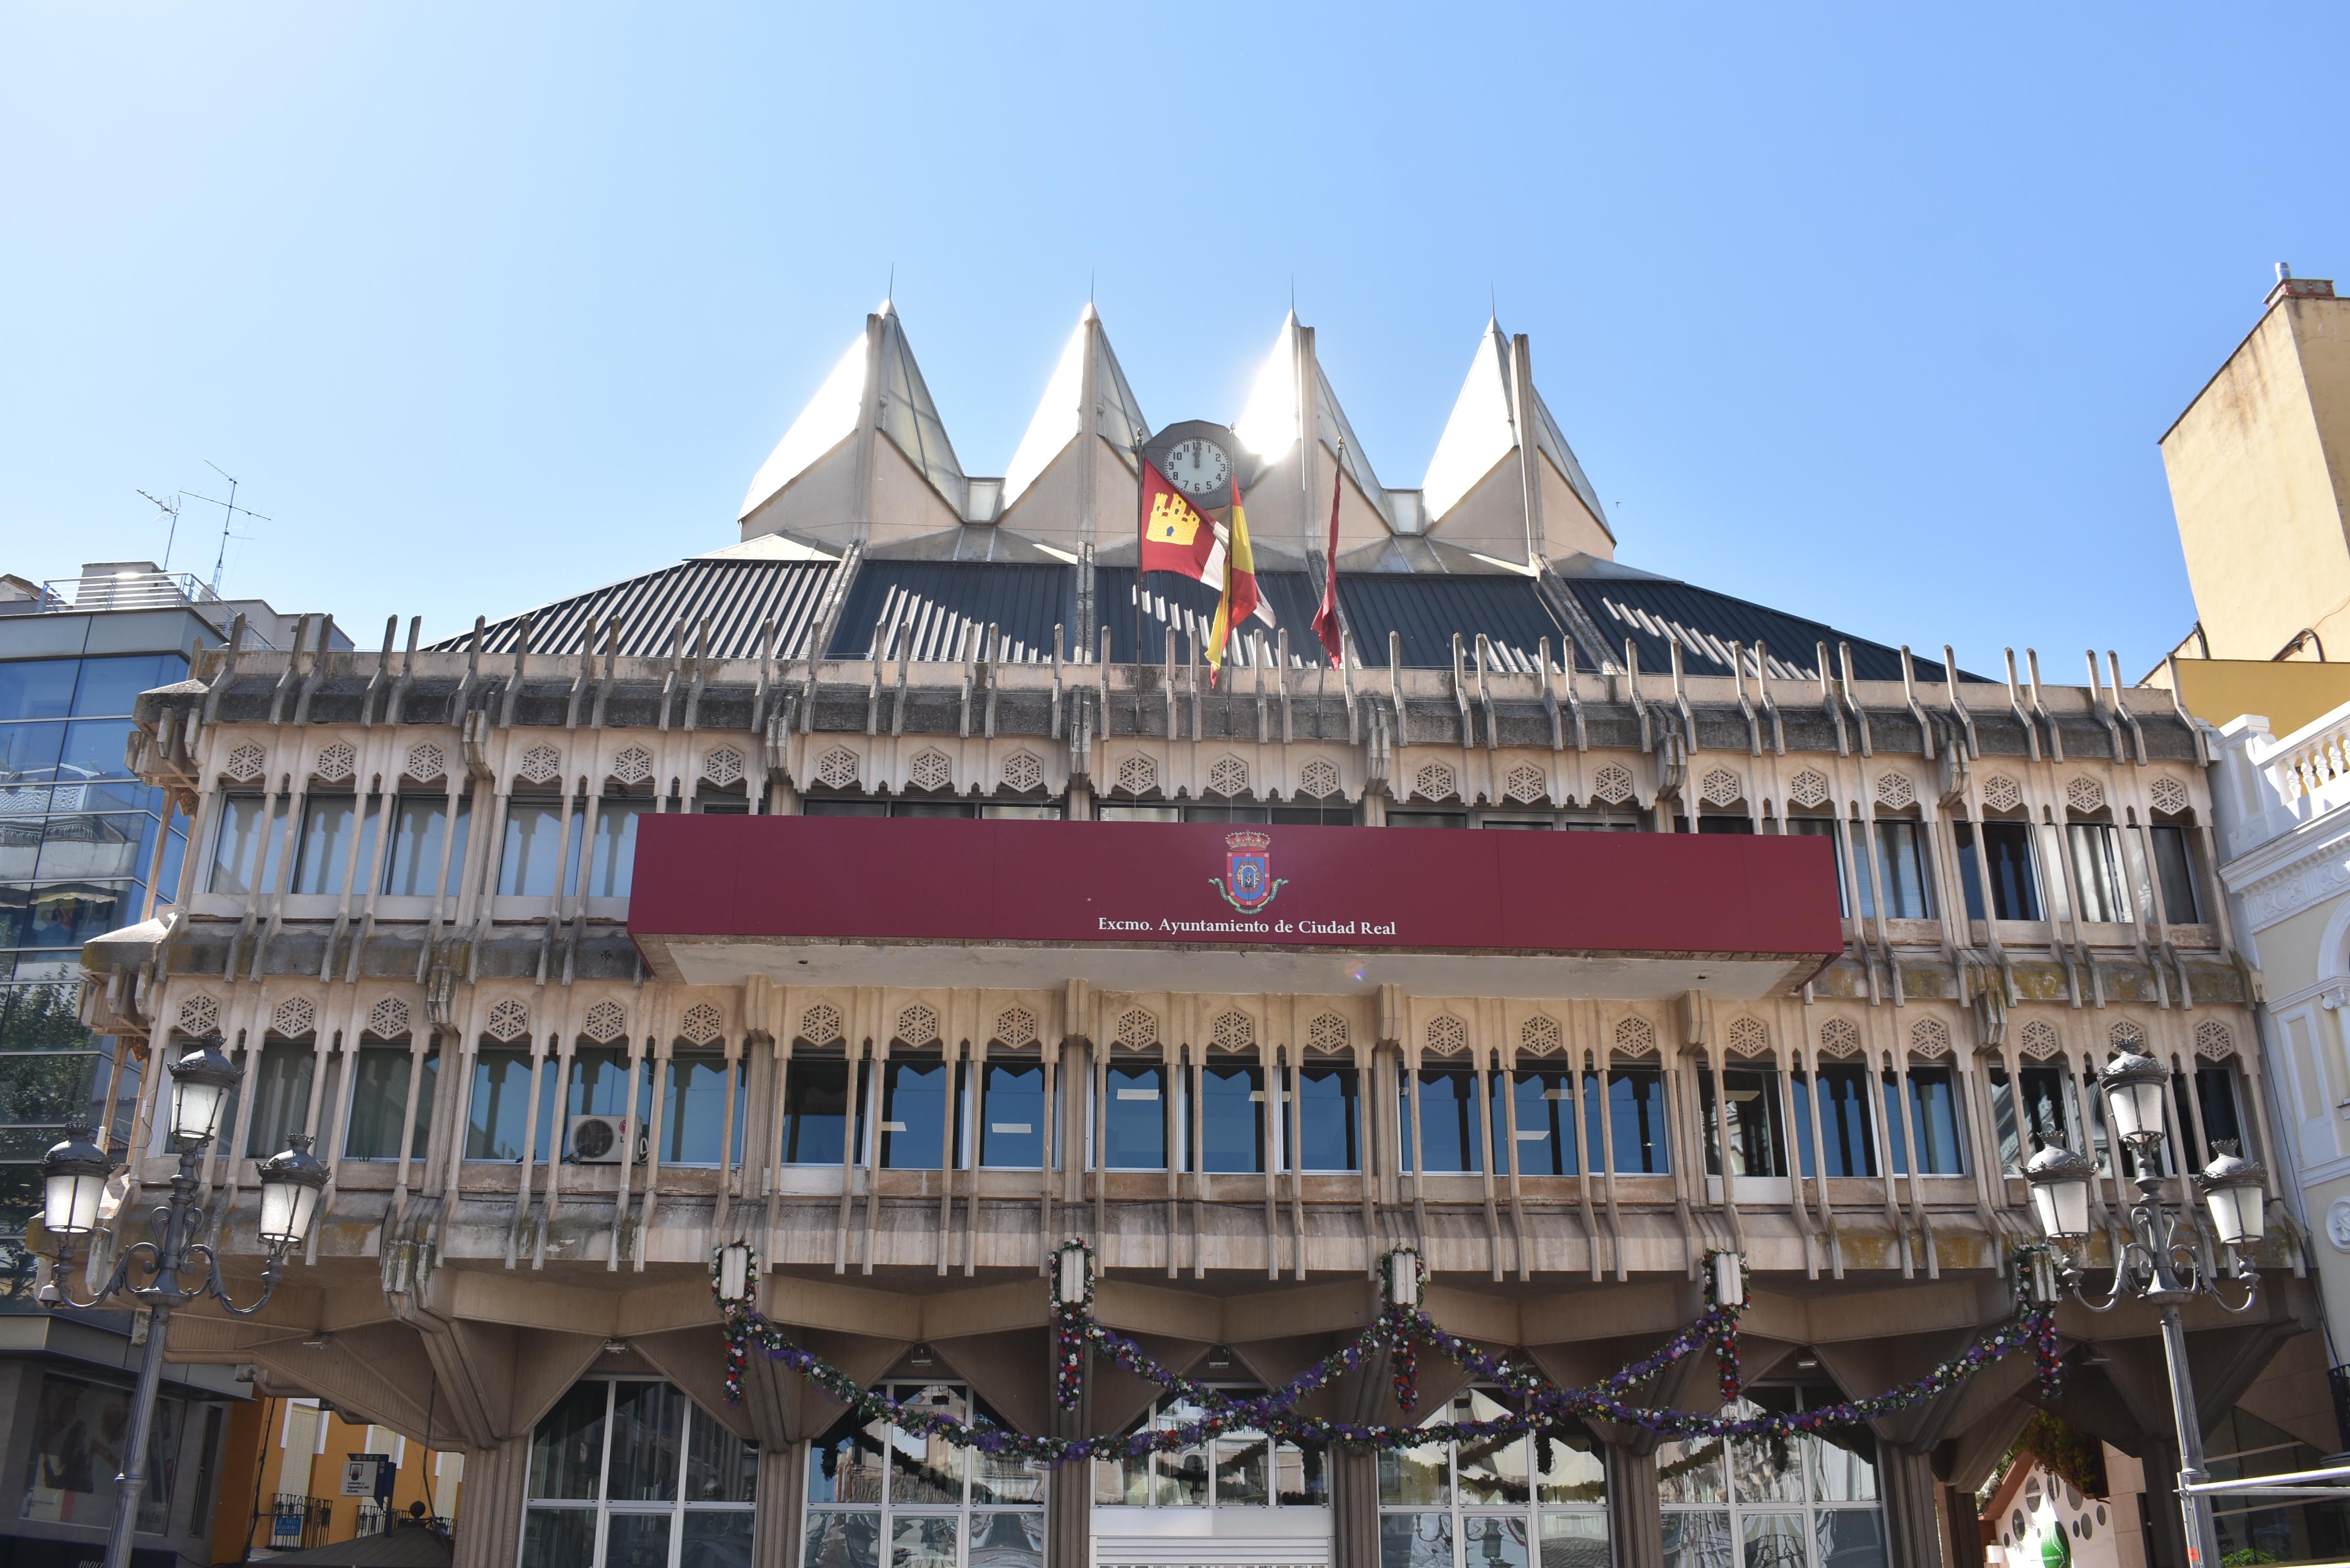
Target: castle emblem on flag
pixel 1248 884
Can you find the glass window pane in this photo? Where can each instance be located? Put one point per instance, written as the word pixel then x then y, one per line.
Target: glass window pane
pixel 534 843
pixel 559 1537
pixel 110 686
pixel 93 750
pixel 1421 1475
pixel 1183 1478
pixel 1301 1477
pixel 648 1425
pixel 37 687
pixel 328 823
pixel 1242 1472
pixel 281 1098
pixel 1232 1129
pixel 1414 1540
pixel 566 1449
pixel 1934 1112
pixel 693 1112
pixel 845 1464
pixel 1135 1130
pixel 1904 861
pixel 419 826
pixel 715 1537
pixel 1497 1539
pixel 719 1466
pixel 815 1110
pixel 1697 1539
pixel 1011 1117
pixel 1752 1115
pixel 1634 1106
pixel 499 1109
pixel 2176 867
pixel 1545 1108
pixel 83 848
pixel 1851 1538
pixel 1450 1140
pixel 1576 1541
pixel 29 752
pixel 1568 1469
pixel 1012 1539
pixel 379 1094
pixel 839 1539
pixel 1328 1119
pixel 927 1469
pixel 1773 1541
pixel 913 1115
pixel 1766 1469
pixel 923 1541
pixel 1843 1465
pixel 1690 1472
pixel 614 868
pixel 637 1541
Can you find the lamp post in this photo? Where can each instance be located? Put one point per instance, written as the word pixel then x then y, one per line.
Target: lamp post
pixel 2162 1261
pixel 76 1173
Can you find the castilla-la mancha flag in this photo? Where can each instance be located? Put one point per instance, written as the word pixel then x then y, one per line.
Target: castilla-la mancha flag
pixel 1176 536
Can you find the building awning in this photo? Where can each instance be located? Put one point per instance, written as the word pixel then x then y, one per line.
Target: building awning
pixel 1226 906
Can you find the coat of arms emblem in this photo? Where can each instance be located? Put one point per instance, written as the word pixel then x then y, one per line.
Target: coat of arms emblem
pixel 1248 883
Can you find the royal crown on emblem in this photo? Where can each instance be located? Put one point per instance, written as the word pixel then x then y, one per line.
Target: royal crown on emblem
pixel 1243 842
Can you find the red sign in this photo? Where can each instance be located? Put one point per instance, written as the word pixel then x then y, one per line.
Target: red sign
pixel 1180 883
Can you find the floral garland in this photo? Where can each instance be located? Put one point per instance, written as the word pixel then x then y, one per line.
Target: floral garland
pixel 1725 1346
pixel 1403 1355
pixel 1069 1320
pixel 1397 1328
pixel 2040 1321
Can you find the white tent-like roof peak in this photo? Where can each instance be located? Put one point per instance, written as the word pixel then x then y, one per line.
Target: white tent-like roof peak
pixel 1061 415
pixel 1483 428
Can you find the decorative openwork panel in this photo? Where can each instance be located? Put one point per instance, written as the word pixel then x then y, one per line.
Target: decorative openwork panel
pixel 1433 781
pixel 388 1019
pixel 426 762
pixel 1233 1031
pixel 1015 1026
pixel 1447 1035
pixel 1749 1037
pixel 294 1018
pixel 606 1022
pixel 1526 784
pixel 2169 796
pixel 1327 1033
pixel 2086 794
pixel 723 766
pixel 1022 773
pixel 2126 1037
pixel 1636 1037
pixel 335 762
pixel 1895 792
pixel 2040 1040
pixel 2002 794
pixel 836 769
pixel 2213 1041
pixel 701 1025
pixel 931 770
pixel 1318 780
pixel 1720 787
pixel 1136 775
pixel 1929 1037
pixel 540 764
pixel 822 1025
pixel 1809 787
pixel 1228 777
pixel 1839 1037
pixel 244 763
pixel 1612 784
pixel 633 765
pixel 1137 1030
pixel 918 1025
pixel 509 1019
pixel 1541 1035
pixel 199 1014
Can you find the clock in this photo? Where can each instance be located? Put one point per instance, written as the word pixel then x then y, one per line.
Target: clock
pixel 1198 467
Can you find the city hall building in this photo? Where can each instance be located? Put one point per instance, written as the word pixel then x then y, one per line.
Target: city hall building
pixel 892 890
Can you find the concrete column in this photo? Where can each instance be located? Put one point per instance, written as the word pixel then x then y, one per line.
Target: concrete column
pixel 1964 1548
pixel 489 1520
pixel 2165 1541
pixel 1636 1524
pixel 1913 1534
pixel 1069 1491
pixel 1354 1507
pixel 782 1504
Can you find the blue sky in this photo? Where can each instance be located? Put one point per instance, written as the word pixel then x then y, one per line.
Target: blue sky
pixel 1874 314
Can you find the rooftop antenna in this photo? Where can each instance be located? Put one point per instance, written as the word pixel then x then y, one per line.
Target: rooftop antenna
pixel 229 511
pixel 167 509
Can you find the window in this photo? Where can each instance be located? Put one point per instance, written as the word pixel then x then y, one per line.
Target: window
pixel 1134 1121
pixel 2046 1113
pixel 1843 1121
pixel 1545 1112
pixel 281 1098
pixel 1427 819
pixel 1806 1500
pixel 599 1087
pixel 2007 854
pixel 1015 811
pixel 2174 865
pixel 632 1474
pixel 694 1110
pixel 378 1095
pixel 200 1511
pixel 329 824
pixel 1444 1108
pixel 1234 1469
pixel 1901 859
pixel 614 866
pixel 1708 823
pixel 1633 1108
pixel 1232 1123
pixel 497 1113
pixel 2215 1100
pixel 1137 814
pixel 534 845
pixel 2098 869
pixel 37 688
pixel 1541 1498
pixel 1329 1119
pixel 879 1495
pixel 75 1455
pixel 1013 1116
pixel 1313 815
pixel 419 825
pixel 1757 1147
pixel 247 830
pixel 816 1110
pixel 1933 1114
pixel 913 1114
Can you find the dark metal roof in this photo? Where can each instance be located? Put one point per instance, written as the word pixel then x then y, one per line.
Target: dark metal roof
pixel 1425 610
pixel 1190 607
pixel 930 608
pixel 736 596
pixel 1655 612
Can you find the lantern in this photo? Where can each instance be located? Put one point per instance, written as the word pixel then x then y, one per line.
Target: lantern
pixel 76 1172
pixel 2134 1086
pixel 1073 1274
pixel 201 1082
pixel 734 1273
pixel 290 1184
pixel 1403 1280
pixel 2235 1189
pixel 1729 1279
pixel 2060 1191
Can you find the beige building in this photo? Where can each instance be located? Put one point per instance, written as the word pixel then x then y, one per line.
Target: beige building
pixel 865 891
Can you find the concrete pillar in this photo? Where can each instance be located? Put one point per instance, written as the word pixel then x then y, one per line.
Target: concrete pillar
pixel 2165 1541
pixel 1069 1491
pixel 1636 1524
pixel 782 1505
pixel 489 1520
pixel 1913 1533
pixel 1354 1507
pixel 1964 1548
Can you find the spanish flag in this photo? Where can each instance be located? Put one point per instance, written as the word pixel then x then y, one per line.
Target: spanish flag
pixel 1176 536
pixel 1239 600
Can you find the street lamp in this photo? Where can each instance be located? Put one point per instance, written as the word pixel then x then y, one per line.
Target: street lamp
pixel 2161 1262
pixel 76 1173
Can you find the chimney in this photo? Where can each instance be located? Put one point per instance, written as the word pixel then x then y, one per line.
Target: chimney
pixel 2291 287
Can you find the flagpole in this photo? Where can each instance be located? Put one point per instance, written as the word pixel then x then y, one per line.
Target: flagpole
pixel 1142 531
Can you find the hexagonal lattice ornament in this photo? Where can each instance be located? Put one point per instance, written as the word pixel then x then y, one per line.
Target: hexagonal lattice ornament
pixel 2039 1040
pixel 918 1024
pixel 1233 1031
pixel 2086 794
pixel 509 1019
pixel 199 1014
pixel 1228 777
pixel 1022 773
pixel 1839 1037
pixel 1015 1027
pixel 2168 796
pixel 606 1022
pixel 1720 787
pixel 426 762
pixel 2213 1041
pixel 632 765
pixel 1447 1034
pixel 1541 1035
pixel 1808 788
pixel 1137 1030
pixel 1327 1032
pixel 836 769
pixel 1526 784
pixel 1895 792
pixel 930 770
pixel 723 766
pixel 388 1019
pixel 244 763
pixel 1635 1036
pixel 335 762
pixel 1612 784
pixel 822 1024
pixel 540 764
pixel 1433 781
pixel 294 1018
pixel 1136 775
pixel 1929 1037
pixel 2002 794
pixel 1749 1037
pixel 701 1025
pixel 1318 779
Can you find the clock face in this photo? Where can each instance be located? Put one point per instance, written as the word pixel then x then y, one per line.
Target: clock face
pixel 1197 467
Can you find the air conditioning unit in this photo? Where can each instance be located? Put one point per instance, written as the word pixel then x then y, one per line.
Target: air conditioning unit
pixel 606 1140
